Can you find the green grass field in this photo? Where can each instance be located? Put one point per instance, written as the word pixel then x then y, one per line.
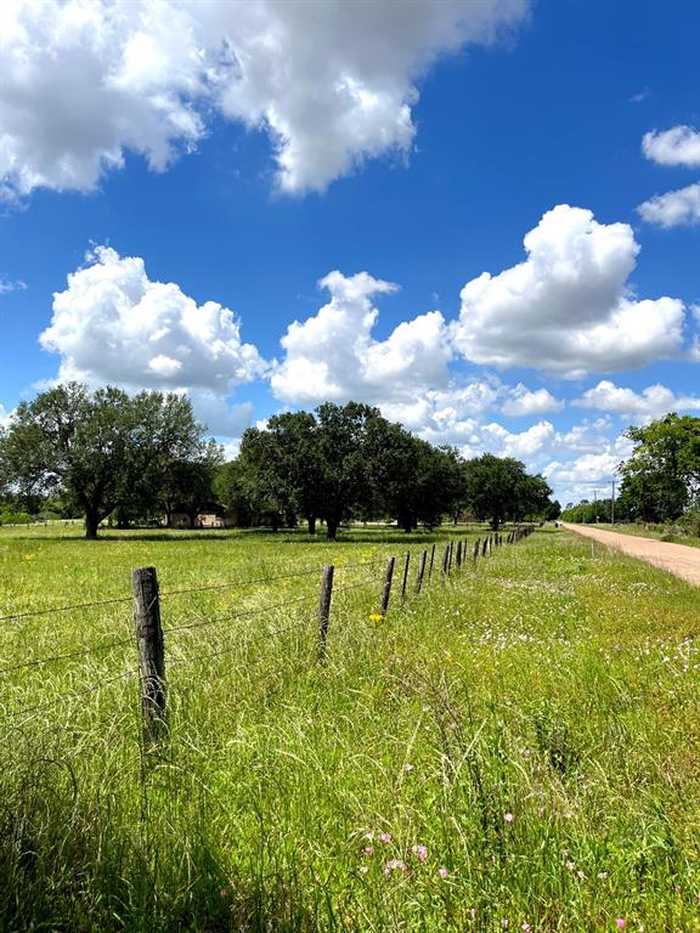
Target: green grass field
pixel 516 748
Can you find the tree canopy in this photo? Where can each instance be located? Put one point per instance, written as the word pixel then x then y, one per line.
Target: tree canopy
pixel 348 461
pixel 144 457
pixel 104 449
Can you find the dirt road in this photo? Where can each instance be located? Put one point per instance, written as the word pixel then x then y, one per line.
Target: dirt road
pixel 679 559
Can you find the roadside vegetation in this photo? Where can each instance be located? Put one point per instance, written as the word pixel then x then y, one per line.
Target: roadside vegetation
pixel 515 748
pixel 660 484
pixel 673 533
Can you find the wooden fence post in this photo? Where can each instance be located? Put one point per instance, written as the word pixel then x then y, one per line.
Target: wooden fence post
pixel 421 571
pixel 484 546
pixel 386 591
pixel 451 547
pixel 324 605
pixel 432 561
pixel 405 575
pixel 151 648
pixel 445 559
pixel 476 549
pixel 459 555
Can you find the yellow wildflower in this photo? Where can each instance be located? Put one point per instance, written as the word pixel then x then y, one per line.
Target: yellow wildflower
pixel 375 617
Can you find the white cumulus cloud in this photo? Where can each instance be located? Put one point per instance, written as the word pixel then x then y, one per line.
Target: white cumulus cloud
pixel 568 307
pixel 113 324
pixel 331 83
pixel 678 146
pixel 653 401
pixel 524 401
pixel 333 355
pixel 674 209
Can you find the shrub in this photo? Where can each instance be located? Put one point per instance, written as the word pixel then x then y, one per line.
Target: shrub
pixel 8 517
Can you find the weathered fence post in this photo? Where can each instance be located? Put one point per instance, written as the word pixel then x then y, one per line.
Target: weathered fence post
pixel 449 558
pixel 432 561
pixel 459 555
pixel 445 560
pixel 149 641
pixel 405 575
pixel 324 605
pixel 484 546
pixel 421 571
pixel 386 591
pixel 476 549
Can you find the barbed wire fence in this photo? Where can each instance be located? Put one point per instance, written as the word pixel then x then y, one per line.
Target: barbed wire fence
pixel 397 585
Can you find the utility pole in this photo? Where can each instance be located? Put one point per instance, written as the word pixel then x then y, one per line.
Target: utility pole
pixel 595 505
pixel 612 517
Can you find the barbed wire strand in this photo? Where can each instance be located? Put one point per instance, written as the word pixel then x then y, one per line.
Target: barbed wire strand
pixel 37 662
pixel 74 695
pixel 241 584
pixel 56 609
pixel 198 623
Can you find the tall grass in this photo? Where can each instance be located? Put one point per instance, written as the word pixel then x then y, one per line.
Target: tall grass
pixel 533 724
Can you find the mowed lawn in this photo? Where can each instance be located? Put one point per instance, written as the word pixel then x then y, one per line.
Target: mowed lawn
pixel 516 748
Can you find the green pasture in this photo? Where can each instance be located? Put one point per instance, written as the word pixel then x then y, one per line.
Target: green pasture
pixel 517 747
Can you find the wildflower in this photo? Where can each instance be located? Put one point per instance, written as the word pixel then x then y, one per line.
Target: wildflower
pixel 620 923
pixel 375 617
pixel 526 927
pixel 421 853
pixel 363 869
pixel 394 864
pixel 443 872
pixel 384 837
pixel 369 836
pixel 571 865
pixel 508 817
pixel 602 875
pixel 581 875
pixel 368 851
pixel 408 767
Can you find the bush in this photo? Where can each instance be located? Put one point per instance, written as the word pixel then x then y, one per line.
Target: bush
pixel 8 517
pixel 690 522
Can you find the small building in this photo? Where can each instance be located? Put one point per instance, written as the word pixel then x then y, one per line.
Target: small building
pixel 211 515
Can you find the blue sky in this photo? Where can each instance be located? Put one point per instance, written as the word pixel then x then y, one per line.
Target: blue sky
pixel 238 154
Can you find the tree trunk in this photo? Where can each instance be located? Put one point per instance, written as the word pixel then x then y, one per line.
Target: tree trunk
pixel 331 529
pixel 311 519
pixel 92 520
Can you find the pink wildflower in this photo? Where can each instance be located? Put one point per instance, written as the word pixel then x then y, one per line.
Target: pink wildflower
pixel 443 872
pixel 526 927
pixel 368 851
pixel 620 923
pixel 420 852
pixel 508 817
pixel 384 837
pixel 394 864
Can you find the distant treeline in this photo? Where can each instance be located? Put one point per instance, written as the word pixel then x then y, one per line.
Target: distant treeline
pixel 660 480
pixel 145 459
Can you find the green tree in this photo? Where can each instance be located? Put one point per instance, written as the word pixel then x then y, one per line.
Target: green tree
pixel 101 449
pixel 296 439
pixel 662 476
pixel 342 465
pixel 498 488
pixel 264 483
